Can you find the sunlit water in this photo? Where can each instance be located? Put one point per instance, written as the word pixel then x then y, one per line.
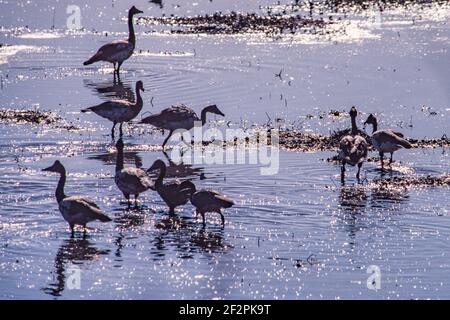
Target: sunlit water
pixel 297 234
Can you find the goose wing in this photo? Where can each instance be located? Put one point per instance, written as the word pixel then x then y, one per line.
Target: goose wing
pixel 387 139
pixel 112 110
pixel 172 194
pixel 114 51
pixel 135 180
pixel 175 117
pixel 83 208
pixel 210 199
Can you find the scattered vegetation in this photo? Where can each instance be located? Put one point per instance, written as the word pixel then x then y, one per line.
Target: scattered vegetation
pixel 34 116
pixel 411 181
pixel 236 23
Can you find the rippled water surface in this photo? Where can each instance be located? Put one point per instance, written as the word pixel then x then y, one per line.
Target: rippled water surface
pixel 299 234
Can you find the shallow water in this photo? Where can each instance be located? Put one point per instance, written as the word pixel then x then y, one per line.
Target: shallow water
pixel 297 234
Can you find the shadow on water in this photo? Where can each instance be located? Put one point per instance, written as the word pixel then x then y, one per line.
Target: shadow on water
pixel 115 89
pixel 128 219
pixel 358 206
pixel 187 238
pixel 71 254
pixel 109 158
pixel 181 170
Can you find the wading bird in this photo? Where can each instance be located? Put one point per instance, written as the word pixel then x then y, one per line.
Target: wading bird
pixel 119 111
pixel 170 192
pixel 131 181
pixel 206 200
pixel 352 147
pixel 118 51
pixel 179 117
pixel 76 210
pixel 386 140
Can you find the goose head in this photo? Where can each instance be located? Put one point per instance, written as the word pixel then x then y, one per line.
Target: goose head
pixel 213 109
pixel 139 86
pixel 157 165
pixel 56 167
pixel 353 112
pixel 134 10
pixel 371 119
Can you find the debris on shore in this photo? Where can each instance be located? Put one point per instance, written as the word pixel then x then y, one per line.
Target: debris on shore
pixel 410 181
pixel 237 23
pixel 34 116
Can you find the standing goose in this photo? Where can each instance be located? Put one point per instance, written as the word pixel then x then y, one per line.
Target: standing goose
pixel 179 117
pixel 131 181
pixel 207 200
pixel 118 51
pixel 386 140
pixel 353 147
pixel 171 192
pixel 76 210
pixel 119 111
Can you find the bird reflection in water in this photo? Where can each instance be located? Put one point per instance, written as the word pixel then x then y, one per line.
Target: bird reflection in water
pixel 181 170
pixel 187 238
pixel 112 90
pixel 73 251
pixel 353 198
pixel 128 220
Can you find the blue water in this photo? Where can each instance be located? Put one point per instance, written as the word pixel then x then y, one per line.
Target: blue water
pixel 298 234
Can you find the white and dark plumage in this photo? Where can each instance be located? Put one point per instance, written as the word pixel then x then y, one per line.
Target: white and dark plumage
pixel 353 147
pixel 76 210
pixel 170 192
pixel 118 51
pixel 207 200
pixel 179 117
pixel 119 111
pixel 386 140
pixel 131 181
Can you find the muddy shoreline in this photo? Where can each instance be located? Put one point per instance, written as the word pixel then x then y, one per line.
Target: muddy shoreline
pixel 35 117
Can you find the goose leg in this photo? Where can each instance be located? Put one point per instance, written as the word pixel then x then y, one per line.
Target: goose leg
pixel 112 130
pixel 391 160
pixel 343 173
pixel 171 211
pixel 203 218
pixel 118 68
pixel 72 230
pixel 84 229
pixel 114 64
pixel 167 139
pixel 127 196
pixel 381 159
pixel 120 129
pixel 135 200
pixel 222 217
pixel 359 170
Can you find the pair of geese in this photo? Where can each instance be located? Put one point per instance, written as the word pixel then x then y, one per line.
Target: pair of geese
pixel 171 119
pixel 353 148
pixel 78 210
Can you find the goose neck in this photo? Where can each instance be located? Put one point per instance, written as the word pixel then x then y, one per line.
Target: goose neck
pixel 60 189
pixel 131 37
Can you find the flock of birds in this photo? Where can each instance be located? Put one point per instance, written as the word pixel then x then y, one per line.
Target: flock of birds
pixel 78 210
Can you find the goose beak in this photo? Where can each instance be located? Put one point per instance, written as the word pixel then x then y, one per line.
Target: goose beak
pixel 139 11
pixel 47 169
